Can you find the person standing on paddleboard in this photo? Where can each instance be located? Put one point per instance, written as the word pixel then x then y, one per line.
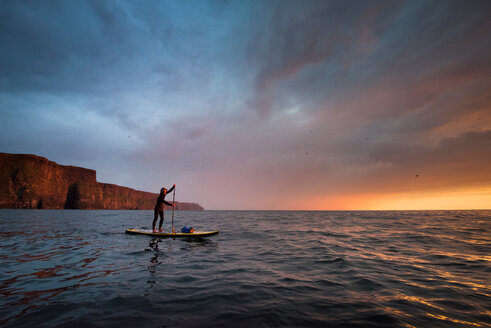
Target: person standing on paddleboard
pixel 159 207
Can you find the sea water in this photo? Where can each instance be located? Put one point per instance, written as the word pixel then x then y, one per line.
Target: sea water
pixel 265 269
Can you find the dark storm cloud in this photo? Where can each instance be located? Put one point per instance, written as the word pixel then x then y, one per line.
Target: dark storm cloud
pixel 335 49
pixel 81 47
pixel 302 38
pixel 46 48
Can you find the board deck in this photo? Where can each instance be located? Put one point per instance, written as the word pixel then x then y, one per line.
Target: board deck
pixel 166 234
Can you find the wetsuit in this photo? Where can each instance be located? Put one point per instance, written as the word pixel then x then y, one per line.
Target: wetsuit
pixel 159 208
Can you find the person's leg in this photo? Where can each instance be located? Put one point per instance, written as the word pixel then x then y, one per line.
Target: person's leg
pixel 161 213
pixel 155 216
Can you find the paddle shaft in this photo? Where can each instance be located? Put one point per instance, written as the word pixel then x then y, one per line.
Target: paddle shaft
pixel 173 207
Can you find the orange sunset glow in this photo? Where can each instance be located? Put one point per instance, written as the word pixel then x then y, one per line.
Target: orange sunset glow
pixel 466 200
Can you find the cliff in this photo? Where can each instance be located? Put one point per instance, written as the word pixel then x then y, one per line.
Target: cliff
pixel 29 181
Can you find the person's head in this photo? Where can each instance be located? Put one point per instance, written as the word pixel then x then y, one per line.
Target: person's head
pixel 163 191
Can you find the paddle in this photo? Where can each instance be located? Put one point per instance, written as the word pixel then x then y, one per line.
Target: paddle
pixel 173 207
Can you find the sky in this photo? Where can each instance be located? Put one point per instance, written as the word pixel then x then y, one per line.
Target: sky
pixel 281 105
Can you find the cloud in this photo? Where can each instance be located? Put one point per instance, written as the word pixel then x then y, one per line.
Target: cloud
pixel 456 162
pixel 299 40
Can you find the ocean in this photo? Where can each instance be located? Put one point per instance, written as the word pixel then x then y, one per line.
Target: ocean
pixel 71 268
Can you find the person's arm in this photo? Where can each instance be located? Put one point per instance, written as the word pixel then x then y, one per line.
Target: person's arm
pixel 167 203
pixel 171 189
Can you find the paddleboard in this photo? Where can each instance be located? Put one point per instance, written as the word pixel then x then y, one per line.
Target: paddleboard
pixel 166 234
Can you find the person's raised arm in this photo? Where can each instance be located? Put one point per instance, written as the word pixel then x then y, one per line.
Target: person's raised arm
pixel 171 189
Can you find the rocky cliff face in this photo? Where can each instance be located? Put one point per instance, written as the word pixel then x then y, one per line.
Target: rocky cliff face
pixel 29 181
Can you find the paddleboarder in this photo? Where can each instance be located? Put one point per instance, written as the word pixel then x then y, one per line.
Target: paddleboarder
pixel 159 208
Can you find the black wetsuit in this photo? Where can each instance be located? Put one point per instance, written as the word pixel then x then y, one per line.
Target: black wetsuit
pixel 159 208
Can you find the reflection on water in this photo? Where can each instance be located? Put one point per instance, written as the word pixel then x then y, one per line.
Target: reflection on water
pixel 162 254
pixel 154 260
pixel 154 247
pixel 316 269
